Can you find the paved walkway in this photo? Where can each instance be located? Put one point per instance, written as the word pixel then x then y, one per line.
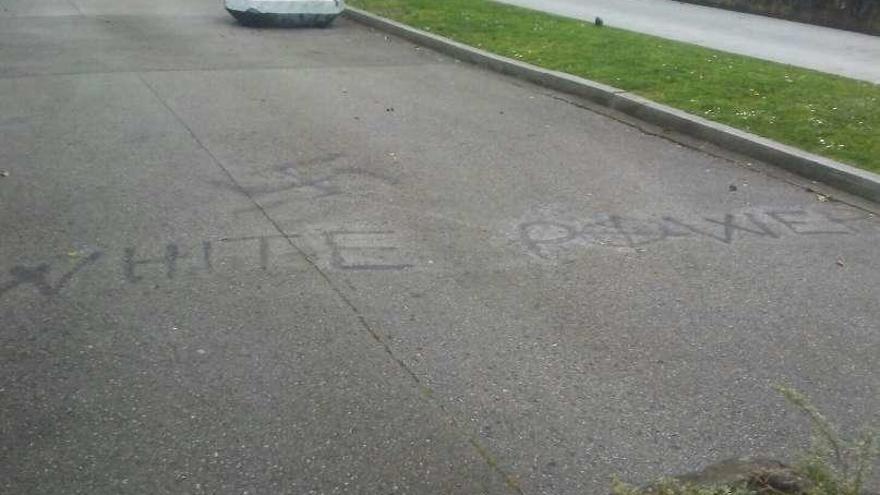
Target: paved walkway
pixel 270 261
pixel 835 51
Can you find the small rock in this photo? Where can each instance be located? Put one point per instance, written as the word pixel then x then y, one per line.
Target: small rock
pixel 730 472
pixel 840 262
pixel 822 198
pixel 760 475
pixel 732 187
pixel 4 173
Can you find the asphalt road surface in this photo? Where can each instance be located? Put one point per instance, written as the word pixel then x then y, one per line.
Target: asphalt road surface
pixel 327 261
pixel 845 53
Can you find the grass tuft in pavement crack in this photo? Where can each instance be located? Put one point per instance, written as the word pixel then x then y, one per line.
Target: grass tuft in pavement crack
pixel 833 465
pixel 820 113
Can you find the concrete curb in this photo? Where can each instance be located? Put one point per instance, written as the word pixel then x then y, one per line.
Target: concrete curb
pixel 847 178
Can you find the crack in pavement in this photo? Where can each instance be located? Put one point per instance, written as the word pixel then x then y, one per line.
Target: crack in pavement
pixel 76 7
pixel 426 392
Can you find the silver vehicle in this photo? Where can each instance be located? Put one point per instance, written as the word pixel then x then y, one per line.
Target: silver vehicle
pixel 288 13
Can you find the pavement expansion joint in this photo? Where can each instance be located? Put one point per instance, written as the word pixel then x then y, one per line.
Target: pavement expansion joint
pixel 425 391
pixel 76 7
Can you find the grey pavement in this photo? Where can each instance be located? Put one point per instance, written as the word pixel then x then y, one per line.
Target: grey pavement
pixel 328 261
pixel 835 51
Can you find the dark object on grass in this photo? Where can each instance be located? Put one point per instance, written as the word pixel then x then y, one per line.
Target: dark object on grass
pixel 599 22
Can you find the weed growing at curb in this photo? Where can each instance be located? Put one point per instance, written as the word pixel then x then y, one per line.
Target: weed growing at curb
pixel 833 465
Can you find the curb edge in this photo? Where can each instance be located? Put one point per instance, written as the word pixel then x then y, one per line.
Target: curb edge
pixel 813 167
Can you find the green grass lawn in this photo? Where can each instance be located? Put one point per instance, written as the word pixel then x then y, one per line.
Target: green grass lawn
pixel 827 115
